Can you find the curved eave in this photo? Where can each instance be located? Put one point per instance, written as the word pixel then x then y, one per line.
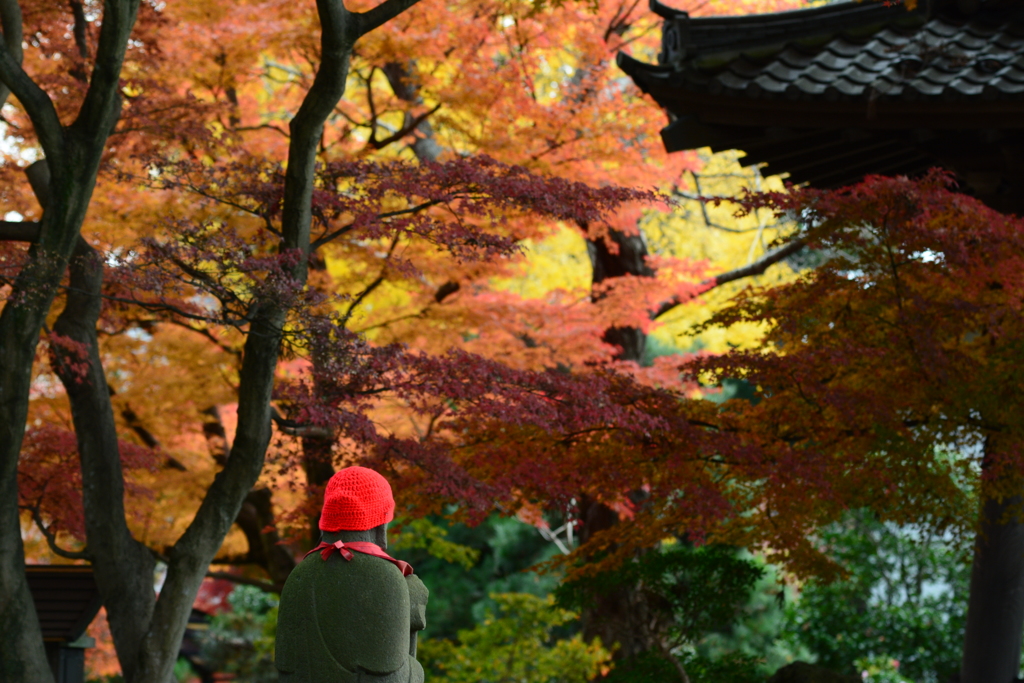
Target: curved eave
pixel 709 35
pixel 686 100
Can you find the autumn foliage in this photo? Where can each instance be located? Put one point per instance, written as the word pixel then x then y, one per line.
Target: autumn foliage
pixel 364 247
pixel 889 370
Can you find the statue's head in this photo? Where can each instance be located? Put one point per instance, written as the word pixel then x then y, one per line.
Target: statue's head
pixel 358 499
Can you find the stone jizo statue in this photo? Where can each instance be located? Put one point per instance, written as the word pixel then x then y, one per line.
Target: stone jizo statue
pixel 349 612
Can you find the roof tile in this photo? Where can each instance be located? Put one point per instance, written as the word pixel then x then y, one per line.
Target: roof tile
pixel 848 88
pixel 938 58
pixel 966 87
pixel 808 86
pixel 766 82
pixel 1008 87
pixel 844 47
pixel 967 41
pixel 831 60
pixel 925 88
pixel 816 72
pixel 941 29
pixel 794 58
pixel 1013 74
pixel 983 30
pixel 732 81
pixel 1009 42
pixel 937 76
pixel 782 71
pixel 888 88
pixel 868 61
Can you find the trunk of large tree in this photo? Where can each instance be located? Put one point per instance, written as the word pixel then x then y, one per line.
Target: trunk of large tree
pixel 74 152
pixel 620 616
pixel 606 264
pixel 123 567
pixel 317 463
pixel 147 631
pixel 995 610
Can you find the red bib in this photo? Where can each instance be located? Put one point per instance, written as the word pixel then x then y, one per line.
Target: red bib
pixel 364 547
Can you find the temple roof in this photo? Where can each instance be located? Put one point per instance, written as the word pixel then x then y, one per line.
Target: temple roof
pixel 830 93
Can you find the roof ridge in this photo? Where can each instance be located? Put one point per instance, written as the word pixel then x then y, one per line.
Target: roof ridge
pixel 685 37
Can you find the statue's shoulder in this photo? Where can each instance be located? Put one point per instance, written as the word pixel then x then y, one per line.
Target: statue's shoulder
pixel 362 610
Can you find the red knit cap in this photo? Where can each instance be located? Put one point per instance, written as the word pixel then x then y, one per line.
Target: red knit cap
pixel 357 499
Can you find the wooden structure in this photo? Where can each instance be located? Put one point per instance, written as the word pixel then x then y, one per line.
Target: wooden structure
pixel 835 92
pixel 66 600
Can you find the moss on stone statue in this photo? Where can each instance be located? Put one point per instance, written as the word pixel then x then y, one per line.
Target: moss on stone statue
pixel 348 620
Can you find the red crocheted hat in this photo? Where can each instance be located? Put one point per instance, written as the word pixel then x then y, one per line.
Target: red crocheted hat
pixel 357 499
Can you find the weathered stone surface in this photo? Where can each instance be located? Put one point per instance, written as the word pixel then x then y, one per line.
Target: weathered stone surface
pixel 418 595
pixel 349 620
pixel 802 672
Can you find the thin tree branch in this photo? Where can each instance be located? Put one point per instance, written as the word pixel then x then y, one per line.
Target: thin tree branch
pixel 300 429
pixel 33 98
pixel 102 105
pixel 10 21
pixel 81 24
pixel 390 214
pixel 51 540
pixel 205 332
pixel 408 129
pixel 263 126
pixel 375 284
pixel 756 268
pixel 381 14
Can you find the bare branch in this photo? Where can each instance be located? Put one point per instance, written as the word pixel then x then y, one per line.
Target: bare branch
pixel 10 20
pixel 263 126
pixel 81 24
pixel 205 332
pixel 300 429
pixel 425 145
pixel 756 268
pixel 33 98
pixel 390 214
pixel 102 105
pixel 51 540
pixel 376 282
pixel 381 14
pixel 408 129
pixel 707 221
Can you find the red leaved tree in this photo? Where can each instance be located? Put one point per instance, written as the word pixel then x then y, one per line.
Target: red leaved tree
pixel 890 379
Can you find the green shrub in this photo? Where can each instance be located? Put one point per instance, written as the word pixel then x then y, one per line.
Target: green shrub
pixel 515 644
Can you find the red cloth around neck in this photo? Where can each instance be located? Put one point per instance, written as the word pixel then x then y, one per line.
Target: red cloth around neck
pixel 365 547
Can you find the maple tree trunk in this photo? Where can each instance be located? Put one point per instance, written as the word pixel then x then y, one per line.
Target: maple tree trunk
pixel 606 264
pixel 192 553
pixel 401 80
pixel 995 610
pixel 75 152
pixel 147 632
pixel 122 566
pixel 316 461
pixel 256 520
pixel 619 616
